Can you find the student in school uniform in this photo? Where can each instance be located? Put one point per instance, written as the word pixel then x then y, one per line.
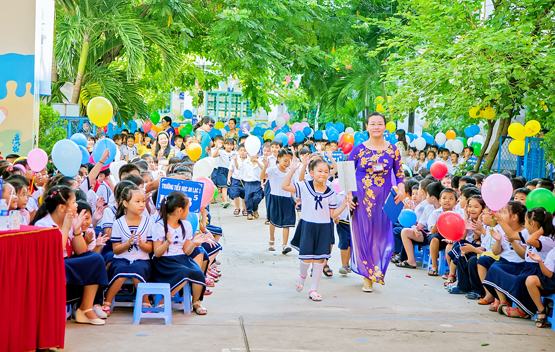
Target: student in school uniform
pixel 132 243
pixel 314 234
pixel 542 282
pixel 250 171
pixel 83 269
pixel 220 174
pixel 343 228
pixel 270 154
pixel 236 190
pixel 282 206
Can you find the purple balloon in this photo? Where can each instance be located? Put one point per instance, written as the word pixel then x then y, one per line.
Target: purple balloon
pixel 497 191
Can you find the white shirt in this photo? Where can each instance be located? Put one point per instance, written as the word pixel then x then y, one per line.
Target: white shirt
pixel 47 221
pixel 276 177
pixel 420 207
pixel 486 239
pixel 236 170
pixel 508 252
pixel 105 192
pixel 121 233
pixel 549 260
pixel 108 217
pixel 224 158
pixel 250 171
pixel 178 238
pixel 345 215
pixel 426 212
pixel 315 205
pixel 432 219
pixel 547 244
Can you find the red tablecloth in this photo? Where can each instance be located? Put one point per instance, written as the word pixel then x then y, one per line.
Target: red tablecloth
pixel 32 289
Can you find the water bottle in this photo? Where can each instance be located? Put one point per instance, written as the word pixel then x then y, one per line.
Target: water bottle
pixel 14 220
pixel 4 216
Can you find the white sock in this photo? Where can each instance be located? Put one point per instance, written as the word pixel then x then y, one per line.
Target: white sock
pixel 317 270
pixel 303 269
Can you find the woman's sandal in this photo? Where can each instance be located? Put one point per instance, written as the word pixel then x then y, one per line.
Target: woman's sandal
pixel 327 271
pixel 433 273
pixel 500 307
pixel 209 282
pixel 107 307
pixel 541 320
pixel 484 302
pixel 449 280
pixel 405 264
pixel 494 305
pixel 199 309
pixel 300 283
pixel 314 296
pixel 237 212
pixel 513 312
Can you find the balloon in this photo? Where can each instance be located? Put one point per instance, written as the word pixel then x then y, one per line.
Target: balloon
pixel 155 117
pixel 192 218
pixel 428 138
pixel 203 168
pixel 290 138
pixel 186 130
pixel 532 128
pixel 348 138
pixel 280 121
pixel 194 151
pixel 332 134
pixel 471 131
pixel 349 130
pixel 299 137
pixel 516 131
pixel 100 147
pixel 37 159
pixel 438 170
pixel 451 225
pixel 281 138
pixel 407 218
pixel 474 112
pixel 380 108
pixel 296 127
pixel 208 191
pixel 79 139
pixel 269 135
pixel 85 156
pixel 440 138
pixel 420 143
pixel 478 139
pixel 156 128
pixel 458 146
pixel 497 191
pixel 488 113
pixel 245 125
pixel 115 166
pixel 340 127
pixel 219 125
pixel 347 147
pixel 379 100
pixel 308 131
pixel 188 114
pixel 477 148
pixel 286 116
pixel 132 126
pixel 517 147
pixel 214 133
pixel 100 111
pixel 390 126
pixel 541 198
pixel 318 135
pixel 450 144
pixel 66 156
pixel 252 145
pixel 450 134
pixel 147 126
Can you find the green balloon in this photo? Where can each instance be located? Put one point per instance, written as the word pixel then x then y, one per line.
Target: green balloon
pixel 541 198
pixel 215 193
pixel 477 147
pixel 155 117
pixel 186 130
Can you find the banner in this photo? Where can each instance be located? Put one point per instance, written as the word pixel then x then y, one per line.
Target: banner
pixel 193 190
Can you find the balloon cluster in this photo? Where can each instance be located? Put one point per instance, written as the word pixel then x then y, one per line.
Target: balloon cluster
pixel 518 132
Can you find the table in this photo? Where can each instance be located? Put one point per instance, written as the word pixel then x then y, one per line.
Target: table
pixel 32 289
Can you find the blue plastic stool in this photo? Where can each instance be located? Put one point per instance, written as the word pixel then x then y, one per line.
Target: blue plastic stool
pixel 148 288
pixel 186 300
pixel 418 253
pixel 443 267
pixel 425 256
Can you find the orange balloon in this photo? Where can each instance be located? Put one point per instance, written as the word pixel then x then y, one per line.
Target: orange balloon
pixel 194 151
pixel 450 134
pixel 348 138
pixel 156 128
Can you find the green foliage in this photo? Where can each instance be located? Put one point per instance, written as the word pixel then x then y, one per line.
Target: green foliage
pixel 52 128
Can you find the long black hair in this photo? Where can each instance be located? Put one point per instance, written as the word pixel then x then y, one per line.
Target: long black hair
pixel 544 220
pixel 169 204
pixel 168 147
pixel 56 195
pixel 125 196
pixel 402 137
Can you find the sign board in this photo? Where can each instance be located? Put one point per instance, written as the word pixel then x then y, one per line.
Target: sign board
pixel 191 189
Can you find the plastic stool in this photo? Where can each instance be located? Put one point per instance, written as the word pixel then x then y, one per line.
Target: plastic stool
pixel 177 299
pixel 550 318
pixel 443 267
pixel 148 288
pixel 425 256
pixel 418 252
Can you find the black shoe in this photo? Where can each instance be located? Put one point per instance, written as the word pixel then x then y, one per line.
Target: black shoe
pixel 286 250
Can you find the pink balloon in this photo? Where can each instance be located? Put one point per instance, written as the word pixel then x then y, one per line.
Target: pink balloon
pixel 208 192
pixel 303 125
pixel 37 159
pixel 497 191
pixel 147 126
pixel 286 117
pixel 290 138
pixel 296 127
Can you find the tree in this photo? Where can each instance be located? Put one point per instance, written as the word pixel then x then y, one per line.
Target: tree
pixel 52 128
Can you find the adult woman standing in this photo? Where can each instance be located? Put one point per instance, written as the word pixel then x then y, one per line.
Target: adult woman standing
pixel 202 132
pixel 402 144
pixel 163 149
pixel 378 169
pixel 233 130
pixel 168 128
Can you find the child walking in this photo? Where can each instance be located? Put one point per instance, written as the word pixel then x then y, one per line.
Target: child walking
pixel 314 233
pixel 251 170
pixel 220 174
pixel 236 189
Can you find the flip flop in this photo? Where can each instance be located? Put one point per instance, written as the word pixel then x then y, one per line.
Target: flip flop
pixel 405 264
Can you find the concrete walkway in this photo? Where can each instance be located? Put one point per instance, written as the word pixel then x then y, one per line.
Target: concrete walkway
pixel 255 308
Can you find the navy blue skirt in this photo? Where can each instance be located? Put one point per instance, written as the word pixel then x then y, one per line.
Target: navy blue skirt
pixel 219 177
pixel 86 269
pixel 215 230
pixel 211 250
pixel 267 191
pixel 138 269
pixel 282 211
pixel 312 240
pixel 344 234
pixel 548 284
pixel 176 269
pixel 236 189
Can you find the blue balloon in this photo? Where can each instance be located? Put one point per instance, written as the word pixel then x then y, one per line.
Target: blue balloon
pixel 366 135
pixel 286 129
pixel 340 127
pixel 332 134
pixel 307 131
pixel 411 136
pixel 258 131
pixel 318 135
pixel 110 130
pixel 79 139
pixel 330 125
pixel 133 126
pixel 471 131
pixel 100 147
pixel 428 138
pixel 407 218
pixel 299 137
pixel 193 219
pixel 215 132
pixel 393 138
pixel 66 156
pixel 84 155
pixel 188 114
pixel 281 138
pixel 273 125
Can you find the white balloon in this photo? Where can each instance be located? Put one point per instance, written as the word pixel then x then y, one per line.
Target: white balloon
pixel 252 145
pixel 478 139
pixel 114 168
pixel 203 168
pixel 458 146
pixel 441 138
pixel 280 121
pixel 469 141
pixel 450 144
pixel 118 155
pixel 420 143
pixel 349 130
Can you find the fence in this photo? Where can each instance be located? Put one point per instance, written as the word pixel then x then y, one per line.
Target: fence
pixel 532 165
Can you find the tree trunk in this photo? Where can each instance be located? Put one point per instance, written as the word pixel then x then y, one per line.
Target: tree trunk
pixel 491 125
pixel 80 69
pixel 502 131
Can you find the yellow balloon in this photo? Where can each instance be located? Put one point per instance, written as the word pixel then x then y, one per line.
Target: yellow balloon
pixel 516 147
pixel 100 111
pixel 516 131
pixel 380 108
pixel 379 100
pixel 251 122
pixel 532 128
pixel 474 112
pixel 488 113
pixel 451 134
pixel 219 125
pixel 194 151
pixel 269 135
pixel 390 126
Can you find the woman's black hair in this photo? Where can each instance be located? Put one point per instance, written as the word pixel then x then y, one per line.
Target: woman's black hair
pixel 168 147
pixel 167 119
pixel 479 199
pixel 544 219
pixel 56 195
pixel 125 196
pixel 203 121
pixel 402 137
pixel 83 205
pixel 284 152
pixel 518 209
pixel 169 204
pixel 375 113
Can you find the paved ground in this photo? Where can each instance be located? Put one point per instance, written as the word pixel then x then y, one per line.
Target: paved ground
pixel 256 308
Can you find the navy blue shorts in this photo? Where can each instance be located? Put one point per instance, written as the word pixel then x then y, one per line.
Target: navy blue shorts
pixel 344 234
pixel 219 177
pixel 236 189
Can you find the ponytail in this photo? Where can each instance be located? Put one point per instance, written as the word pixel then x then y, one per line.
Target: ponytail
pixel 57 195
pixel 125 196
pixel 169 204
pixel 544 220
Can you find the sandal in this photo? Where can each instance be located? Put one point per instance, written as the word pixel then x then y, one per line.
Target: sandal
pixel 199 309
pixel 327 271
pixel 501 306
pixel 237 212
pixel 494 305
pixel 449 279
pixel 300 283
pixel 514 312
pixel 541 320
pixel 484 302
pixel 107 307
pixel 271 247
pixel 433 273
pixel 314 296
pixel 405 264
pixel 209 282
pixel 245 212
pixel 208 292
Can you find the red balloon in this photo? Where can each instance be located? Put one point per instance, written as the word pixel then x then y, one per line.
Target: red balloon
pixel 438 170
pixel 347 147
pixel 451 226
